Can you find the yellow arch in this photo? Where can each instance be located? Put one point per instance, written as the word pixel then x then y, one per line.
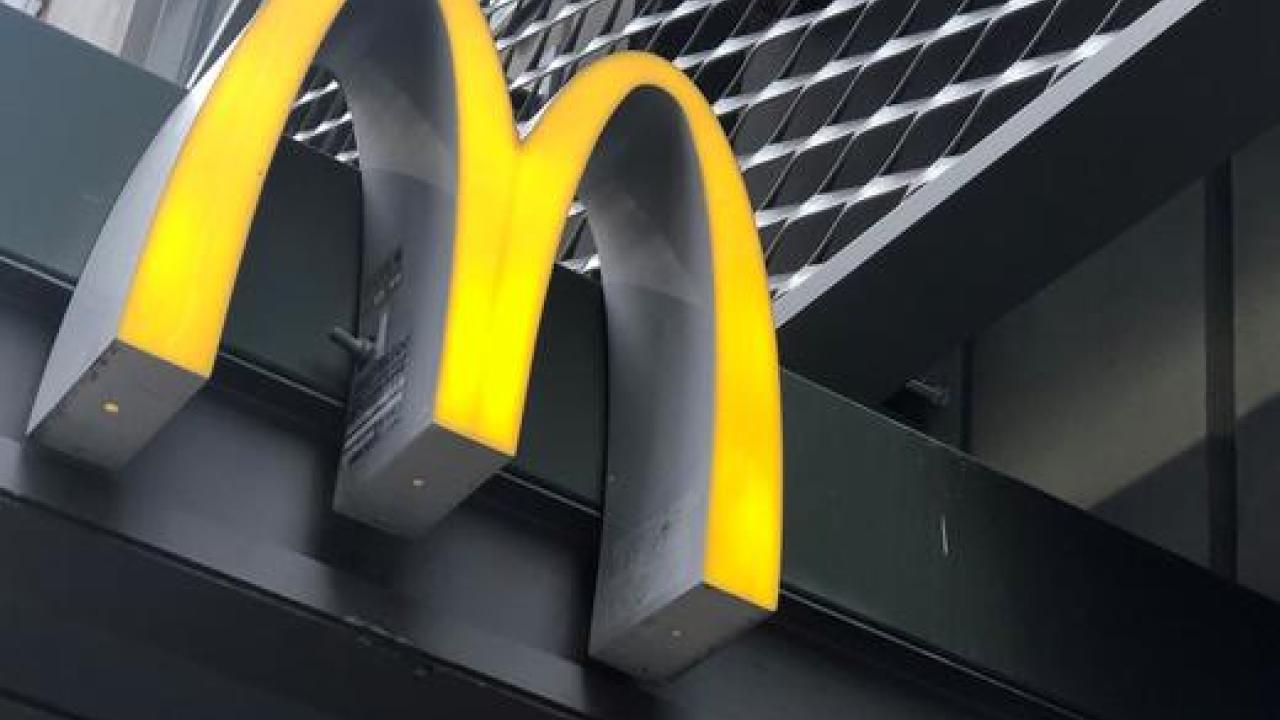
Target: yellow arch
pixel 178 300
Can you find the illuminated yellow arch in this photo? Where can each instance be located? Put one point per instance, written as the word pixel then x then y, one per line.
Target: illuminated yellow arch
pixel 512 196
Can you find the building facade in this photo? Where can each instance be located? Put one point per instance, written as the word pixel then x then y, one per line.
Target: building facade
pixel 1019 256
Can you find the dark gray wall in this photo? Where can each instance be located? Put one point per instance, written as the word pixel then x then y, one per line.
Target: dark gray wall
pixel 1094 390
pixel 46 211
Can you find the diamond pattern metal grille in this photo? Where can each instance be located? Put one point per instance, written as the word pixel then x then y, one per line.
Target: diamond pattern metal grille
pixel 837 110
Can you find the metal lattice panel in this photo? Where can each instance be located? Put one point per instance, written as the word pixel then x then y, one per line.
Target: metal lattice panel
pixel 836 110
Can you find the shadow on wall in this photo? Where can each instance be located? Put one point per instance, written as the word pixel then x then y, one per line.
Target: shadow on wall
pixel 1169 505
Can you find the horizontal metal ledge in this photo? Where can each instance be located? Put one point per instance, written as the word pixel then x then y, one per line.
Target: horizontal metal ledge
pixel 573 509
pixel 177 633
pixel 898 549
pixel 133 616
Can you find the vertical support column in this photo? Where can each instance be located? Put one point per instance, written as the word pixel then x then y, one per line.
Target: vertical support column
pixel 1220 385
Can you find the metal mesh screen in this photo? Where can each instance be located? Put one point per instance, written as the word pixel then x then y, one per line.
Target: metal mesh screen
pixel 836 110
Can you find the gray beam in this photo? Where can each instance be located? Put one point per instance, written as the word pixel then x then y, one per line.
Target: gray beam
pixel 945 571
